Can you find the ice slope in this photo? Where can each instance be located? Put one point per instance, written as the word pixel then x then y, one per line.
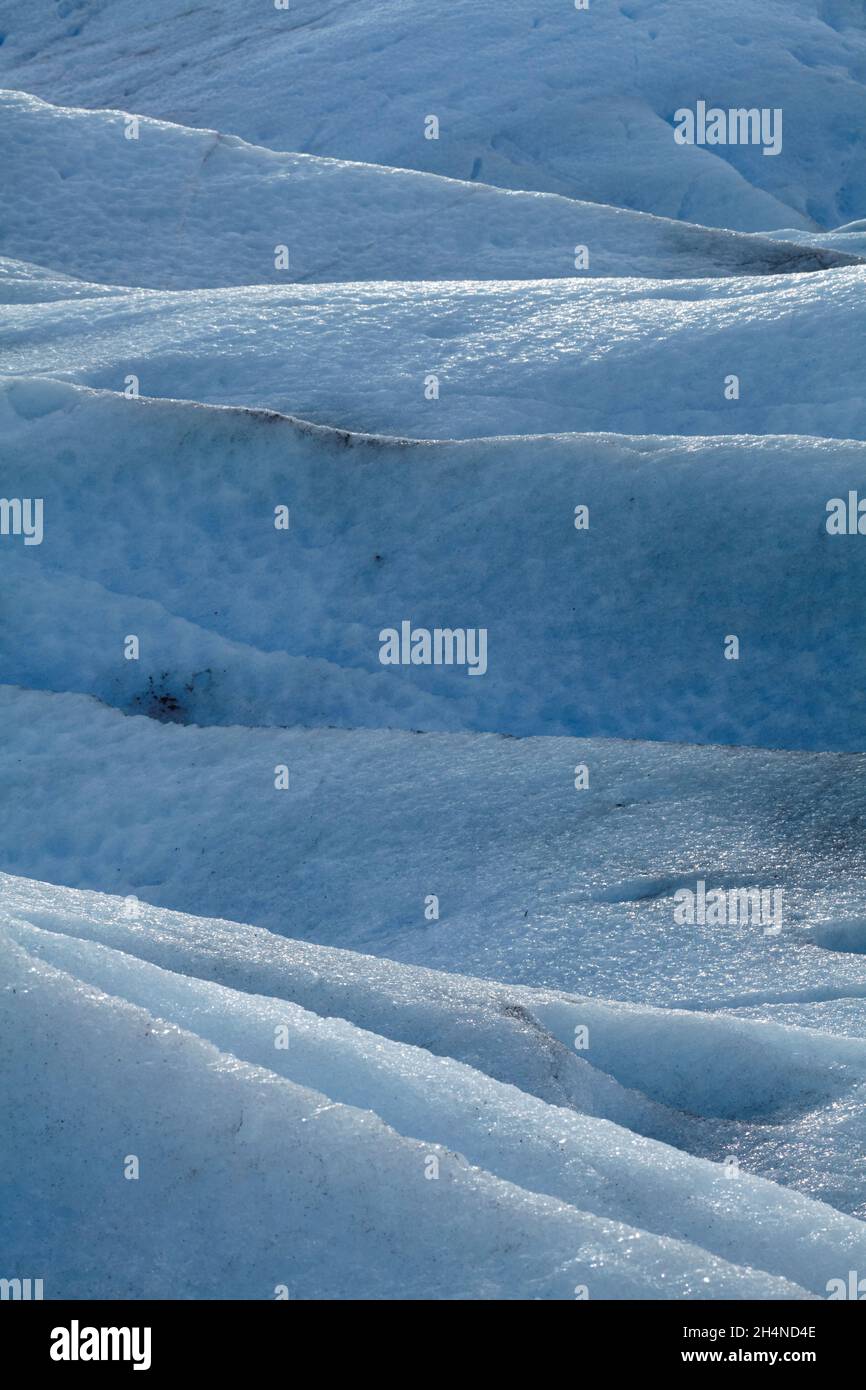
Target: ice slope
pixel 850 239
pixel 189 815
pixel 177 208
pixel 248 1180
pixel 529 95
pixel 24 283
pixel 606 1162
pixel 324 1142
pixel 471 358
pixel 537 883
pixel 159 521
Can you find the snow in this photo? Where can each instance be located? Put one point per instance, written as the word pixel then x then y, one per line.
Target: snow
pixel 525 357
pixel 381 973
pixel 177 208
pixel 533 96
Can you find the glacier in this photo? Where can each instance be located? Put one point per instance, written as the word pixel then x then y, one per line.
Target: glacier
pixel 739 355
pixel 324 979
pixel 531 96
pixel 389 1141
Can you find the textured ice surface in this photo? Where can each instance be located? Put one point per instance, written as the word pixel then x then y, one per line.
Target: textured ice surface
pixel 159 522
pixel 21 282
pixel 538 883
pixel 529 95
pixel 529 357
pixel 850 238
pixel 177 208
pixel 328 1137
pixel 278 1183
pixel 469 1048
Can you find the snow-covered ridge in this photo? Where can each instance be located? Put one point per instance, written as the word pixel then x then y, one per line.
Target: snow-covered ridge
pixel 176 208
pixel 532 94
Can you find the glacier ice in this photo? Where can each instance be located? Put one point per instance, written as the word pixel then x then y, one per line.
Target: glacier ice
pixel 324 978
